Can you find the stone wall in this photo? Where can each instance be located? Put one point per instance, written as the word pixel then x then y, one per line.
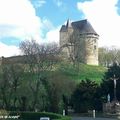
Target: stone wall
pixel 12 60
pixel 111 107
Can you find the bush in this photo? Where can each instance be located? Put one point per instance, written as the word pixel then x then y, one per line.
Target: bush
pixel 38 115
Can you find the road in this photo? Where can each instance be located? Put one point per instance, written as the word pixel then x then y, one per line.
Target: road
pixel 90 118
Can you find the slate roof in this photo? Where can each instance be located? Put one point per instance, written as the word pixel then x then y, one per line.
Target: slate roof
pixel 83 26
pixel 63 28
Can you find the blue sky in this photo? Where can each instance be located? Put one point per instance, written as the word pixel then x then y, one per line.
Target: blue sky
pixel 58 11
pixel 41 20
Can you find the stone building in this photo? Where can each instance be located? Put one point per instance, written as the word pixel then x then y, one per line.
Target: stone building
pixel 79 42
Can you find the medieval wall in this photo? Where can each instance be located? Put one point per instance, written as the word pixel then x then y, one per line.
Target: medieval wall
pixel 12 60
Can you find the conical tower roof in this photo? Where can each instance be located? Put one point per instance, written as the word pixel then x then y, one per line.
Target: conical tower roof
pixel 68 25
pixel 84 27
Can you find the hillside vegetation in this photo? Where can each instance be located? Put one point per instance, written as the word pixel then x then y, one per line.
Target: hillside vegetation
pixel 68 71
pixel 82 72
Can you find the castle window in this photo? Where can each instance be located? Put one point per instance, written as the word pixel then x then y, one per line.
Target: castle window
pixel 95 47
pixel 94 41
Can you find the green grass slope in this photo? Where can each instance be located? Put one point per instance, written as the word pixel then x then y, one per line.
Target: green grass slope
pixel 92 72
pixel 82 72
pixel 78 73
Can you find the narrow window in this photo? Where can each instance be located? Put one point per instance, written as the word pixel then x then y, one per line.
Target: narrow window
pixel 94 47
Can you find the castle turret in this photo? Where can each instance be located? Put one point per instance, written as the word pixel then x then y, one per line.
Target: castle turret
pixel 68 25
pixel 65 32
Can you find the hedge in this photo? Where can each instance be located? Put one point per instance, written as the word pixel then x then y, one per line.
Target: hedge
pixel 38 115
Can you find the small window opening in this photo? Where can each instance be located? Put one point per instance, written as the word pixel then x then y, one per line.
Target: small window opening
pixel 95 47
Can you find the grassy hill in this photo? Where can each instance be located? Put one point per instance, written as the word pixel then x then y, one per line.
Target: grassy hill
pixel 67 71
pixel 83 71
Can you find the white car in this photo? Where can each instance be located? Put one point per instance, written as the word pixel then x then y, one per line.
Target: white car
pixel 44 118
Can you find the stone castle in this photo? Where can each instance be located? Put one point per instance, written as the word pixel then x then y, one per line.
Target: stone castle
pixel 79 41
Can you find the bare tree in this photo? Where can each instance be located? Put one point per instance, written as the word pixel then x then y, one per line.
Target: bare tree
pixel 39 60
pixel 107 56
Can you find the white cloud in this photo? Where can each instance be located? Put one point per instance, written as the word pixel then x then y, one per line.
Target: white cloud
pixel 18 19
pixel 103 15
pixel 53 35
pixel 47 24
pixel 8 50
pixel 39 3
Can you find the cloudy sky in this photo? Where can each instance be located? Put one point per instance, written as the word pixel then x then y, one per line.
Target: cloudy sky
pixel 41 20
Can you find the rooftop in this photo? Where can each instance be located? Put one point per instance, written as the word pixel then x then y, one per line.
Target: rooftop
pixel 83 26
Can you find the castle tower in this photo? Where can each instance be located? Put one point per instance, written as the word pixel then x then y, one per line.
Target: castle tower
pixel 80 40
pixel 65 32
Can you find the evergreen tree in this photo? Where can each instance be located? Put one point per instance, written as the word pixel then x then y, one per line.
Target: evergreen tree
pixel 83 96
pixel 107 86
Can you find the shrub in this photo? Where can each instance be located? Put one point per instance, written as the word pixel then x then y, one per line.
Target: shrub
pixel 38 115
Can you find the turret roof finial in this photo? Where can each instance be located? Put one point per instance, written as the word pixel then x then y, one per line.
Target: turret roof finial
pixel 68 23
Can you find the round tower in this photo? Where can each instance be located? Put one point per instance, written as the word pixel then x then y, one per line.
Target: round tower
pixel 90 42
pixel 91 49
